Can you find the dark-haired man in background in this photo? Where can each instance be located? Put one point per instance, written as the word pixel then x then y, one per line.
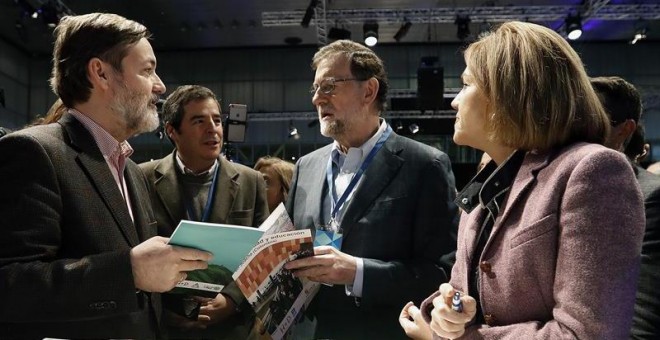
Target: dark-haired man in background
pixel 624 108
pixel 196 183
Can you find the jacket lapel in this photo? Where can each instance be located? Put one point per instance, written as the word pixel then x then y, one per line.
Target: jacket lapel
pixel 95 166
pixel 143 221
pixel 376 178
pixel 527 173
pixel 320 187
pixel 168 190
pixel 226 189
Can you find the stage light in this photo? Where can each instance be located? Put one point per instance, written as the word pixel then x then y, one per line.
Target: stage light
pixel 573 27
pixel 370 29
pixel 293 132
pixel 462 23
pixel 309 14
pixel 403 30
pixel 399 126
pixel 414 128
pixel 641 28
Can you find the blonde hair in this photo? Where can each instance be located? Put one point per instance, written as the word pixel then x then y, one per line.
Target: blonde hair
pixel 539 91
pixel 282 168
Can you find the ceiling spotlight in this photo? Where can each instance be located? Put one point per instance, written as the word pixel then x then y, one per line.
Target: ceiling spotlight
pixel 641 28
pixel 573 26
pixel 462 23
pixel 399 126
pixel 414 128
pixel 370 29
pixel 403 30
pixel 293 132
pixel 309 14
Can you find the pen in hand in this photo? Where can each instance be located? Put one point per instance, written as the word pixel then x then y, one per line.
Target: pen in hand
pixel 456 303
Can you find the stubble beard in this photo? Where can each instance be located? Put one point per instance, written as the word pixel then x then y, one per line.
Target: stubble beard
pixel 333 129
pixel 135 110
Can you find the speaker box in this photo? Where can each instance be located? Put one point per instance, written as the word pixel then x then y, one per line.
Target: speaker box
pixel 430 88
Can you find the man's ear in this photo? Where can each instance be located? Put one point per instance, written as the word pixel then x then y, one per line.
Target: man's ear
pixel 371 92
pixel 171 133
pixel 97 72
pixel 623 132
pixel 628 128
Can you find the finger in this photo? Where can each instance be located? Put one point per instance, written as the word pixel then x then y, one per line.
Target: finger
pixel 192 265
pixel 404 311
pixel 439 302
pixel 315 271
pixel 414 312
pixel 322 250
pixel 447 290
pixel 311 261
pixel 191 254
pixel 449 326
pixel 161 239
pixel 407 325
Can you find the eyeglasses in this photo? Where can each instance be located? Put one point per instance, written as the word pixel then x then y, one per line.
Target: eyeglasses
pixel 327 85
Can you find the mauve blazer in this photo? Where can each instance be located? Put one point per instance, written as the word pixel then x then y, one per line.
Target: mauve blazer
pixel 563 257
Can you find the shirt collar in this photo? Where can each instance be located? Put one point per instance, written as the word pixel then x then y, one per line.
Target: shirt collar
pixel 357 155
pixel 490 182
pixel 184 169
pixel 109 146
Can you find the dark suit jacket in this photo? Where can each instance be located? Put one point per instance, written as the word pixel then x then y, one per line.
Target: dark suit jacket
pixel 240 199
pixel 401 221
pixel 65 238
pixel 562 259
pixel 646 321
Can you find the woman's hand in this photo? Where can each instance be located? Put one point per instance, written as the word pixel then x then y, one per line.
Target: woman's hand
pixel 445 321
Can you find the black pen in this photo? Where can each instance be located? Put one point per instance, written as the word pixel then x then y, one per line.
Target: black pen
pixel 456 303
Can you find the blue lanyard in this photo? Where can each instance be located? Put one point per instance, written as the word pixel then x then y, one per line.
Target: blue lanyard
pixel 209 200
pixel 356 177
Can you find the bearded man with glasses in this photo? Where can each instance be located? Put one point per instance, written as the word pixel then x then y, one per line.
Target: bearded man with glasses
pixel 385 202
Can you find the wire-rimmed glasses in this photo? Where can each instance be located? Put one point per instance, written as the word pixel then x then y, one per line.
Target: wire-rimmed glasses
pixel 327 85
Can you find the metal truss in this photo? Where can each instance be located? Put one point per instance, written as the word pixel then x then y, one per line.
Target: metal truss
pixel 321 23
pixel 308 116
pixel 596 9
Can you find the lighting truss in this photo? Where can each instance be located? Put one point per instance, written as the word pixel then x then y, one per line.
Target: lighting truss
pixel 595 10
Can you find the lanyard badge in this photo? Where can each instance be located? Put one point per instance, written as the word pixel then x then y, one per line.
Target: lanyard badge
pixel 329 235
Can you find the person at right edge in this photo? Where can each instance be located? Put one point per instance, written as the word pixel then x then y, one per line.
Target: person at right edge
pixel 623 105
pixel 550 239
pixel 398 217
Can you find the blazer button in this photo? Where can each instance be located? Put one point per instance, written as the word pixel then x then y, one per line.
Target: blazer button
pixel 485 266
pixel 490 319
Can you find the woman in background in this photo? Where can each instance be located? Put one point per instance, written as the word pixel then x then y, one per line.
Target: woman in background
pixel 549 241
pixel 277 173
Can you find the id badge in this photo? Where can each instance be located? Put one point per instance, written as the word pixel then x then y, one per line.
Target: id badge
pixel 328 235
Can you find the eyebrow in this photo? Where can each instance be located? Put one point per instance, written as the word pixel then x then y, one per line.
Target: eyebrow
pixel 151 62
pixel 214 115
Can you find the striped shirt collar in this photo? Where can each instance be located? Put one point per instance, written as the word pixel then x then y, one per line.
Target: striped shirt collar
pixel 109 146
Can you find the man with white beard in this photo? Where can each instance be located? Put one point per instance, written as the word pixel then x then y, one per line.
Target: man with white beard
pixel 389 198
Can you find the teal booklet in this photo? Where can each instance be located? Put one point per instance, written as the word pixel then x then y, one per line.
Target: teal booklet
pixel 229 245
pixel 254 259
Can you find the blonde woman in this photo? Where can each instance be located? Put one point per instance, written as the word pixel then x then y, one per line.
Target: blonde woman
pixel 277 173
pixel 549 241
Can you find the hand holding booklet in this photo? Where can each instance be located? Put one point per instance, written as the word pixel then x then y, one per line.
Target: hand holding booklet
pixel 254 259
